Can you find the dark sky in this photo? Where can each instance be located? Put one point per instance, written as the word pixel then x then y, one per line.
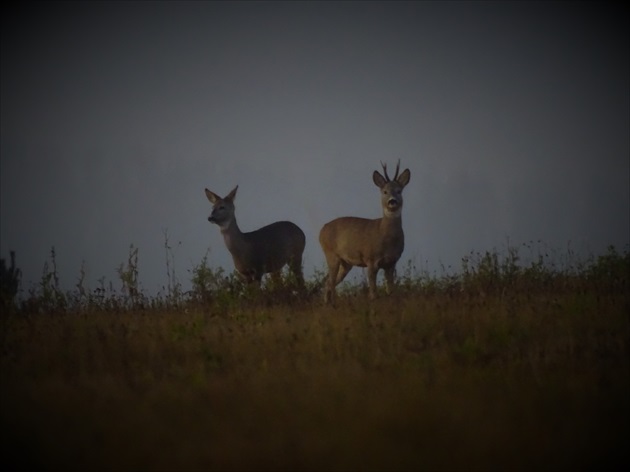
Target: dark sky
pixel 513 118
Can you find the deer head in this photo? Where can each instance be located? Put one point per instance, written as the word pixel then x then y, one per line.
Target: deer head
pixel 391 189
pixel 222 209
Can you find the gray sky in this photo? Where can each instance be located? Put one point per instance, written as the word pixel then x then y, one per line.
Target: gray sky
pixel 513 118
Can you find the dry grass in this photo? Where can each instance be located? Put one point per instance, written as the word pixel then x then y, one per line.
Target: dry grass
pixel 447 380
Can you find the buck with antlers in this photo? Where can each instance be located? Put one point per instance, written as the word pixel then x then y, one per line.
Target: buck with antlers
pixel 266 250
pixel 376 244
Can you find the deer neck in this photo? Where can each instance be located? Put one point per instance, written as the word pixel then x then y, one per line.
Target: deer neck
pixel 391 223
pixel 233 236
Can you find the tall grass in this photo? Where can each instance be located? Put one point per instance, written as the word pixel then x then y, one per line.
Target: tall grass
pixel 505 365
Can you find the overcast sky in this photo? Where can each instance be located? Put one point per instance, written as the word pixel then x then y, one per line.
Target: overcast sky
pixel 512 117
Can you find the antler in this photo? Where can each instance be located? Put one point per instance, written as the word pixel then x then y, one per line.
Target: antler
pixel 384 166
pixel 385 171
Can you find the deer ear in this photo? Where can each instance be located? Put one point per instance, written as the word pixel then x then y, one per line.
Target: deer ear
pixel 213 197
pixel 403 179
pixel 378 179
pixel 232 194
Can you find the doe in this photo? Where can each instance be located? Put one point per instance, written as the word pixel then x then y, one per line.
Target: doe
pixel 266 250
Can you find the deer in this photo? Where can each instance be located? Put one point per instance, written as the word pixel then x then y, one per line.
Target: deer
pixel 373 243
pixel 263 251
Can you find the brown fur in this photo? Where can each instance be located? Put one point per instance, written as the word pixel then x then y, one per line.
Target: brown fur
pixel 376 244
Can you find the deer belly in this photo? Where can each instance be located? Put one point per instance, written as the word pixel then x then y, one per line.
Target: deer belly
pixel 357 259
pixel 371 258
pixel 270 261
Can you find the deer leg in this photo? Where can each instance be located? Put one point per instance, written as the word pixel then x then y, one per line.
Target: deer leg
pixel 344 268
pixel 245 277
pixel 389 279
pixel 372 271
pixel 250 279
pixel 333 270
pixel 256 278
pixel 296 268
pixel 276 278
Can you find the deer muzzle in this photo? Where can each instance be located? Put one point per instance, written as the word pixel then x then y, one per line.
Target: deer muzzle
pixel 392 204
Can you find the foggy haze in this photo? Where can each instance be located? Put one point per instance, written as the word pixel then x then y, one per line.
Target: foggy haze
pixel 513 118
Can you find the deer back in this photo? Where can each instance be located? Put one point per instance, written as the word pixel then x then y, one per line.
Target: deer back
pixel 269 248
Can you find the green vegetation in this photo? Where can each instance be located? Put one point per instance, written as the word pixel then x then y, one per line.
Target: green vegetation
pixel 506 365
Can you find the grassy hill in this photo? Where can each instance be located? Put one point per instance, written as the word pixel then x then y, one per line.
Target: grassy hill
pixel 500 367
